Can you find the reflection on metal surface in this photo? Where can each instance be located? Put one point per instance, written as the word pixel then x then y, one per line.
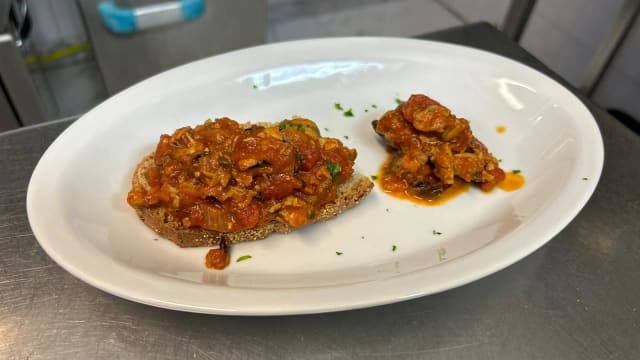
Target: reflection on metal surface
pixel 300 72
pixel 507 94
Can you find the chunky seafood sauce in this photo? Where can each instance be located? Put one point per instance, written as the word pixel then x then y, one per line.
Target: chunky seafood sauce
pixel 430 149
pixel 226 177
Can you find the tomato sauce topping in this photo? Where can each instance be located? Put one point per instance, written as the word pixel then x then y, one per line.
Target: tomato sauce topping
pixel 226 177
pixel 430 149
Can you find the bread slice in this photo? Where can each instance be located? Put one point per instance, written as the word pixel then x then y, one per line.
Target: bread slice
pixel 349 194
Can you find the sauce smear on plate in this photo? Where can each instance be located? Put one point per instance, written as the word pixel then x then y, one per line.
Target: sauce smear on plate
pixel 452 192
pixel 512 182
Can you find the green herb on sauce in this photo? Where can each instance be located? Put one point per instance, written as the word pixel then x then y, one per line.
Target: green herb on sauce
pixel 338 106
pixel 243 258
pixel 338 253
pixel 348 113
pixel 436 232
pixel 398 101
pixel 394 247
pixel 431 110
pixel 374 177
pixel 334 169
pixel 515 172
pixel 300 127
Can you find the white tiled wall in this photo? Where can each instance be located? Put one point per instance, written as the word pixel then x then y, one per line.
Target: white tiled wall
pixel 565 35
pixel 620 86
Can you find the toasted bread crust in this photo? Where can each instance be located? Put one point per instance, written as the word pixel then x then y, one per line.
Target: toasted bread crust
pixel 349 195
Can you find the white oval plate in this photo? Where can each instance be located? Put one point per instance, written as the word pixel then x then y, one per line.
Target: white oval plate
pixel 77 206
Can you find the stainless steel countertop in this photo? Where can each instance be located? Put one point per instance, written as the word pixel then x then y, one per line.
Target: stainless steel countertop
pixel 578 297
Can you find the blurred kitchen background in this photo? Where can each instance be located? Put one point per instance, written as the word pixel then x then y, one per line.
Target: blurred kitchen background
pixel 60 58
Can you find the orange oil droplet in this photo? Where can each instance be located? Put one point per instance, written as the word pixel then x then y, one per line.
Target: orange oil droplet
pixel 512 182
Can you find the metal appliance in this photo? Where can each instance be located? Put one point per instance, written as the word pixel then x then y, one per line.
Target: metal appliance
pixel 132 40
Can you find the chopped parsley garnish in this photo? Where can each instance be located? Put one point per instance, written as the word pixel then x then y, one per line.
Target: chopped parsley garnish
pixel 334 169
pixel 288 124
pixel 374 106
pixel 326 129
pixel 338 253
pixel 243 258
pixel 394 247
pixel 366 110
pixel 584 178
pixel 374 177
pixel 338 106
pixel 436 232
pixel 398 101
pixel 348 113
pixel 431 110
pixel 362 237
pixel 499 160
pixel 255 86
pixel 346 137
pixel 515 172
pixel 387 209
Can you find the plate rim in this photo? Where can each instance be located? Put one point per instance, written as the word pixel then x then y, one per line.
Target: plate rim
pixel 544 236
